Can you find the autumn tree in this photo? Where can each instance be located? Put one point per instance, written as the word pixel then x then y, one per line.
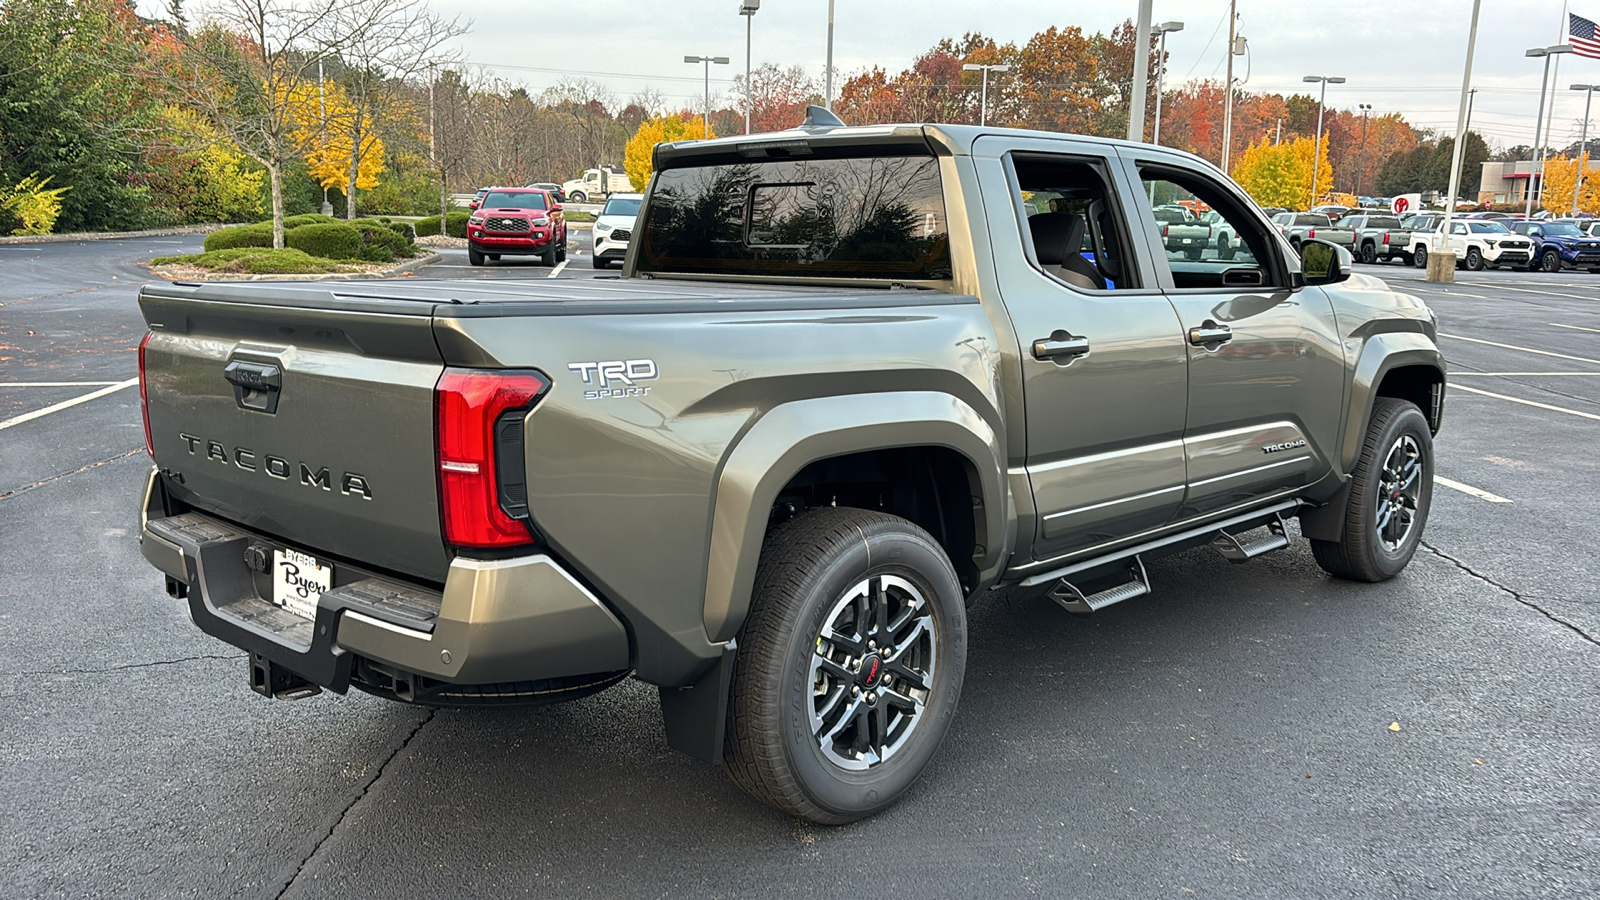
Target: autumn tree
pixel 1560 176
pixel 638 159
pixel 777 97
pixel 325 125
pixel 1280 174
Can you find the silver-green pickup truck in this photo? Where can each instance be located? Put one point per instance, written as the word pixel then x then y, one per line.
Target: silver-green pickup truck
pixel 849 380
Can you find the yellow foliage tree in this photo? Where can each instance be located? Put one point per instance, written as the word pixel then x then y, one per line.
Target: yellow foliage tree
pixel 1280 174
pixel 32 203
pixel 323 122
pixel 1560 173
pixel 638 158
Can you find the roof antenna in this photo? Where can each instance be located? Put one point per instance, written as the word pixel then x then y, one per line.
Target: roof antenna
pixel 818 117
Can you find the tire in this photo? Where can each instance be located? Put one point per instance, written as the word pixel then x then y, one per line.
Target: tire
pixel 1419 257
pixel 561 251
pixel 1226 248
pixel 1406 259
pixel 1474 261
pixel 1369 253
pixel 810 569
pixel 1194 255
pixel 602 263
pixel 1397 441
pixel 474 257
pixel 579 197
pixel 1550 261
pixel 548 258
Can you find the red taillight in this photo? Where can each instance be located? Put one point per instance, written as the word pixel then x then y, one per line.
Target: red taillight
pixel 1164 229
pixel 469 404
pixel 144 396
pixel 1311 234
pixel 1386 237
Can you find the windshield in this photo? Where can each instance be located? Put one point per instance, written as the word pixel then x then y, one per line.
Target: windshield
pixel 1488 228
pixel 872 217
pixel 1560 229
pixel 514 200
pixel 622 206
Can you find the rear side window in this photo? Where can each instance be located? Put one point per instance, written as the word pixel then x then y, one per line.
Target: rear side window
pixel 880 217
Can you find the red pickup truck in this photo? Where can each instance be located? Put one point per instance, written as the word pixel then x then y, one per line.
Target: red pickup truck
pixel 517 222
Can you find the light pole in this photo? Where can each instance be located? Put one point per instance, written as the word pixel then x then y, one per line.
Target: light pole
pixel 1316 155
pixel 1583 142
pixel 1161 70
pixel 827 77
pixel 983 109
pixel 1442 265
pixel 747 8
pixel 1361 173
pixel 1538 125
pixel 708 60
pixel 1141 73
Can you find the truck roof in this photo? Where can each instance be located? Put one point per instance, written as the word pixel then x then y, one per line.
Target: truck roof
pixel 952 139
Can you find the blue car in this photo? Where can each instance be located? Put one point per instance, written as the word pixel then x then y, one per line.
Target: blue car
pixel 1557 245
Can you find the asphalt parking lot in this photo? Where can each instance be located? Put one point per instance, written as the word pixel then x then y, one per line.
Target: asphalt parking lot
pixel 1246 731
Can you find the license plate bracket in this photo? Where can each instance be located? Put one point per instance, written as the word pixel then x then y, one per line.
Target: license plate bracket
pixel 298 581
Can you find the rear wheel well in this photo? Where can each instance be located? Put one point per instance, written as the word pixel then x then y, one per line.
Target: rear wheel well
pixel 1419 385
pixel 934 487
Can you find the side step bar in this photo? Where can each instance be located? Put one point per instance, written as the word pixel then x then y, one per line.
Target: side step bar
pixel 1074 600
pixel 1235 550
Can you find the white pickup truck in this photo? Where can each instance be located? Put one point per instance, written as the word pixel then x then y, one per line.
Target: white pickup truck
pixel 597 184
pixel 1476 243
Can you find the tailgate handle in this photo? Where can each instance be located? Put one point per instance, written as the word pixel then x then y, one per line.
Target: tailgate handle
pixel 255 385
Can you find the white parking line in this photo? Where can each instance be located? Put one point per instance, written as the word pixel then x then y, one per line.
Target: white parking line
pixel 6 384
pixel 1526 374
pixel 39 413
pixel 1480 493
pixel 1559 409
pixel 1543 293
pixel 557 270
pixel 1574 327
pixel 1457 337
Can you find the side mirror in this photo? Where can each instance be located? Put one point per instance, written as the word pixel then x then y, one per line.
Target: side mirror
pixel 1324 263
pixel 555 207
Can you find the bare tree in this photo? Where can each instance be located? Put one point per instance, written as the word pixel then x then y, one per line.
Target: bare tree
pixel 387 44
pixel 451 115
pixel 244 70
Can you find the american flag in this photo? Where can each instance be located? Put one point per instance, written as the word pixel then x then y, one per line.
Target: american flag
pixel 1580 33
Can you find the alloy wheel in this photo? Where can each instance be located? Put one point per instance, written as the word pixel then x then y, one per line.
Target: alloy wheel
pixel 1399 493
pixel 872 671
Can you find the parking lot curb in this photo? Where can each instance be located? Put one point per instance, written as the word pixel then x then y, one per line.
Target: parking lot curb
pixel 409 265
pixel 107 235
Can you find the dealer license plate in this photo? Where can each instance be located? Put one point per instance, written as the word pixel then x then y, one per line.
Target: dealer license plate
pixel 298 581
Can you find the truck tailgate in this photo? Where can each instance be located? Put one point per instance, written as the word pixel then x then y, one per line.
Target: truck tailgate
pixel 310 421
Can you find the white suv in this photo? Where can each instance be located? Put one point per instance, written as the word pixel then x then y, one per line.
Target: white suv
pixel 613 229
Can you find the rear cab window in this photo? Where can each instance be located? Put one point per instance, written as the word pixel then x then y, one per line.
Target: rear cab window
pixel 874 217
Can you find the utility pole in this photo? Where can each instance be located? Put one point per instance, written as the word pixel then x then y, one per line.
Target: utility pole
pixel 1361 173
pixel 322 129
pixel 1141 73
pixel 1227 99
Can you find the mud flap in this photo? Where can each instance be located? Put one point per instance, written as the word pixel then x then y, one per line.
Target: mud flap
pixel 696 716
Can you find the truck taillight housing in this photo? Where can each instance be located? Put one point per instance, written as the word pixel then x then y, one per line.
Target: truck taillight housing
pixel 483 483
pixel 144 396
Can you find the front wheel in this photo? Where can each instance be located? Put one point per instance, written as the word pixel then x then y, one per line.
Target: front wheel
pixel 1474 260
pixel 1550 261
pixel 579 197
pixel 474 257
pixel 1391 491
pixel 1419 257
pixel 849 667
pixel 548 257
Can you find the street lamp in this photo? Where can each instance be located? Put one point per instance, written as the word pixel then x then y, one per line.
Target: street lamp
pixel 1316 156
pixel 747 8
pixel 708 60
pixel 1538 125
pixel 983 109
pixel 827 97
pixel 1583 142
pixel 1161 71
pixel 1361 174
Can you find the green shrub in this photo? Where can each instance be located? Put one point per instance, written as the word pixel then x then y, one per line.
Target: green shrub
pixel 306 219
pixel 254 261
pixel 456 224
pixel 579 215
pixel 240 236
pixel 329 241
pixel 379 242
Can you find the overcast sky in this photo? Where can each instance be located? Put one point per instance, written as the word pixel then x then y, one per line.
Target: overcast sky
pixel 1399 55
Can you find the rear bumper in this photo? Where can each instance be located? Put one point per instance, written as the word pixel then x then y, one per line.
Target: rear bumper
pixel 495 622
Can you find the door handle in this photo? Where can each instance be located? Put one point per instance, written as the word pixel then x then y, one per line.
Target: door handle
pixel 1210 335
pixel 1060 345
